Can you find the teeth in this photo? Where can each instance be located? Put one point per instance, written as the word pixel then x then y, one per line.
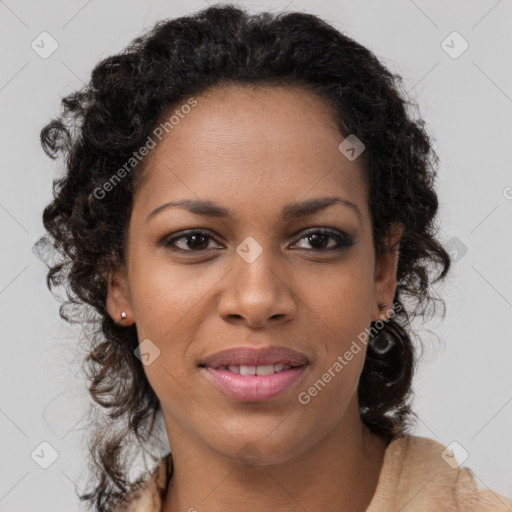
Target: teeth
pixel 247 370
pixel 266 369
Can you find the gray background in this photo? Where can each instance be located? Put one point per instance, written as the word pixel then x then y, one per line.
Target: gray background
pixel 464 384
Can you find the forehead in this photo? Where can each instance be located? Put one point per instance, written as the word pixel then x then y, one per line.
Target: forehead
pixel 252 145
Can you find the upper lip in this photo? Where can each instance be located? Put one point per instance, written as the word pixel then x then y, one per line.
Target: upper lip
pixel 249 356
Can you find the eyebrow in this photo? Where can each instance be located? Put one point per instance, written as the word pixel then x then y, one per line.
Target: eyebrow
pixel 291 210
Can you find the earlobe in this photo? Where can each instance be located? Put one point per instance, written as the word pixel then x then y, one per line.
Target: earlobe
pixel 386 275
pixel 118 301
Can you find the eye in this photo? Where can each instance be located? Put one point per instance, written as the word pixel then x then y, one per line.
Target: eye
pixel 197 241
pixel 320 236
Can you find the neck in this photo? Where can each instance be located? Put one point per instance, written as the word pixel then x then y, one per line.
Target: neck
pixel 339 473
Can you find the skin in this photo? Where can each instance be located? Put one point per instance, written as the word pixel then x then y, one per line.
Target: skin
pixel 253 150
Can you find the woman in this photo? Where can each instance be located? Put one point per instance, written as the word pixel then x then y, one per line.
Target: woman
pixel 247 204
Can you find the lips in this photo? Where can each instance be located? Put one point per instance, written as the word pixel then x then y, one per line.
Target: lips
pixel 250 374
pixel 255 357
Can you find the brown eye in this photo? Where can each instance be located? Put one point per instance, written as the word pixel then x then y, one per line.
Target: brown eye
pixel 194 241
pixel 318 238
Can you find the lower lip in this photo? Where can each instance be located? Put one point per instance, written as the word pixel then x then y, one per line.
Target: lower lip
pixel 252 388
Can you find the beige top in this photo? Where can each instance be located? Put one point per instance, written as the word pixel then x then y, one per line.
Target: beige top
pixel 415 477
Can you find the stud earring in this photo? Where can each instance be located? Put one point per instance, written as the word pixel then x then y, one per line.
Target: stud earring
pixel 123 315
pixel 381 306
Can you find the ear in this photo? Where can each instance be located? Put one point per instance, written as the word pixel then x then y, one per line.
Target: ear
pixel 385 274
pixel 118 299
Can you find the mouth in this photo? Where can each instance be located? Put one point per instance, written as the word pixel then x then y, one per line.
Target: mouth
pixel 252 375
pixel 248 359
pixel 259 370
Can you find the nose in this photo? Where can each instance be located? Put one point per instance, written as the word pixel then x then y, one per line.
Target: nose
pixel 256 293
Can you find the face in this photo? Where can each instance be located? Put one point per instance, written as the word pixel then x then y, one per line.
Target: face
pixel 259 276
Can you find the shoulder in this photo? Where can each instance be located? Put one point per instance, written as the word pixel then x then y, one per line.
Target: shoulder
pixel 148 491
pixel 421 474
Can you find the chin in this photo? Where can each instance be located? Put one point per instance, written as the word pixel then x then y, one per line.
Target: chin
pixel 261 449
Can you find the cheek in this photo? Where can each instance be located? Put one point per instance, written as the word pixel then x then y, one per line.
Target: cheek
pixel 170 306
pixel 338 300
pixel 166 301
pixel 338 305
pixel 165 295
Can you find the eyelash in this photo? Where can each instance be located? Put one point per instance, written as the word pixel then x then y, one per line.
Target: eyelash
pixel 343 241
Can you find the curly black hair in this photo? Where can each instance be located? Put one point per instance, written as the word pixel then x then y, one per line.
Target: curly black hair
pixel 103 124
